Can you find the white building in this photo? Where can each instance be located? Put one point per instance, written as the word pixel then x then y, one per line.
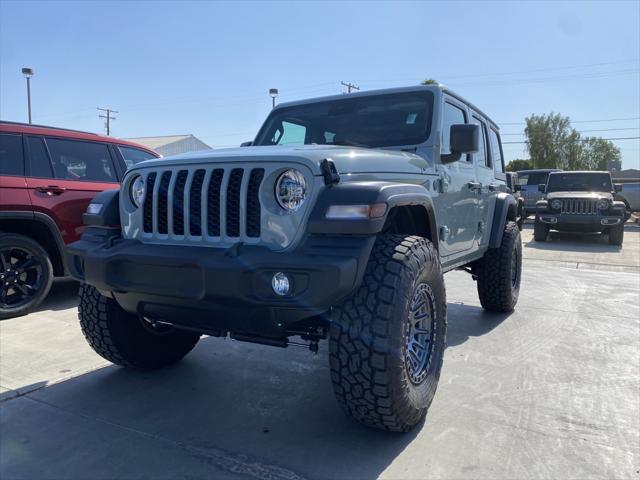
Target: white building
pixel 172 144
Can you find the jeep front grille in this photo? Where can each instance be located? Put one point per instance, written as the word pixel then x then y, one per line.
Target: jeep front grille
pixel 579 206
pixel 214 202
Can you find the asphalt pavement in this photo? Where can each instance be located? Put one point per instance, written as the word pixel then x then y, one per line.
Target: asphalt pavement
pixel 551 390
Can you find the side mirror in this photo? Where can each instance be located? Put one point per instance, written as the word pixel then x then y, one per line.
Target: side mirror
pixel 617 187
pixel 542 187
pixel 246 144
pixel 517 188
pixel 464 138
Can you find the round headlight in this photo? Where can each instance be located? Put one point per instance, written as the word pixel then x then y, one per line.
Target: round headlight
pixel 556 204
pixel 291 190
pixel 137 191
pixel 603 204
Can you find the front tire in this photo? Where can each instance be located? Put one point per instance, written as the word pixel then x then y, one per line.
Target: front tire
pixel 616 235
pixel 122 339
pixel 499 272
pixel 540 231
pixel 26 275
pixel 387 340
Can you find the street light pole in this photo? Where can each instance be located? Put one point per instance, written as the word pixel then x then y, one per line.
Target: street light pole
pixel 28 73
pixel 273 93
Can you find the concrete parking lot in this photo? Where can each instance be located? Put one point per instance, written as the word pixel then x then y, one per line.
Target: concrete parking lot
pixel 549 391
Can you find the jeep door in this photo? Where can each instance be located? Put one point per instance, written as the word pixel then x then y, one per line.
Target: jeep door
pixel 13 186
pixel 63 177
pixel 488 161
pixel 456 205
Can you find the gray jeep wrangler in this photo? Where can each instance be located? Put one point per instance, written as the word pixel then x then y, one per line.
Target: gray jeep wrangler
pixel 337 221
pixel 580 202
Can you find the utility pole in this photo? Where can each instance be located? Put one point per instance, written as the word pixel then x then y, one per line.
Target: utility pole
pixel 107 117
pixel 350 86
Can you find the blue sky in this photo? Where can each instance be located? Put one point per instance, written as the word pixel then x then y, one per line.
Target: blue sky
pixel 205 67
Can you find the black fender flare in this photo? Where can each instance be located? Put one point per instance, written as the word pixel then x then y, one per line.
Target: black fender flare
pixel 369 193
pixel 44 219
pixel 109 214
pixel 504 201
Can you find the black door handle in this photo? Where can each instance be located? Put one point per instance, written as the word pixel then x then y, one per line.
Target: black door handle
pixel 51 190
pixel 474 186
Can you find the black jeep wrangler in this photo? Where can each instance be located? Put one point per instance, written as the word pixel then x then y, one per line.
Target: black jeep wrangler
pixel 580 202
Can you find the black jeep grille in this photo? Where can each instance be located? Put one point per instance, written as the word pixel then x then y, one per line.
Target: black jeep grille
pixel 571 206
pixel 231 207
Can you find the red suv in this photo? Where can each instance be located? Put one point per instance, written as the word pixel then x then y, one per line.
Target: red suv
pixel 48 176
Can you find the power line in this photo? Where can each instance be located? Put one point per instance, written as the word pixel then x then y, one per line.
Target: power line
pixel 580 121
pixel 579 140
pixel 584 131
pixel 107 117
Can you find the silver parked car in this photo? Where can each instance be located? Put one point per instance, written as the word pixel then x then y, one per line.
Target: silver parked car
pixel 529 181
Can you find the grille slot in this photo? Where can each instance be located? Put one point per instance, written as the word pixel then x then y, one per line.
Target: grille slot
pixel 178 203
pixel 148 203
pixel 573 206
pixel 213 203
pixel 163 211
pixel 253 202
pixel 233 202
pixel 195 199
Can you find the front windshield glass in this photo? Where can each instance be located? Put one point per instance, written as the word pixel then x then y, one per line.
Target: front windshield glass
pixel 579 182
pixel 367 121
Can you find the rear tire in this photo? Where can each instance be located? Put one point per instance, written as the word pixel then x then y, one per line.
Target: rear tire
pixel 121 337
pixel 499 273
pixel 26 275
pixel 616 235
pixel 540 231
pixel 388 339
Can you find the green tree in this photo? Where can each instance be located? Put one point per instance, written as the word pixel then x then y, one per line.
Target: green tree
pixel 429 81
pixel 551 142
pixel 600 154
pixel 519 164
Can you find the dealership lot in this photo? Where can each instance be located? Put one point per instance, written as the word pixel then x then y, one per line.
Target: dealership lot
pixel 550 390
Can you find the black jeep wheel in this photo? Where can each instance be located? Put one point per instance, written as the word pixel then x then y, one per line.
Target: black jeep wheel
pixel 25 275
pixel 388 339
pixel 499 272
pixel 122 338
pixel 540 231
pixel 616 235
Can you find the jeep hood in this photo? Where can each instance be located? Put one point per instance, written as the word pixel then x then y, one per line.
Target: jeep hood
pixel 579 195
pixel 346 159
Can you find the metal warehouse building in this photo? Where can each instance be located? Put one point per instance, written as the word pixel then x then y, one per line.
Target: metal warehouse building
pixel 172 144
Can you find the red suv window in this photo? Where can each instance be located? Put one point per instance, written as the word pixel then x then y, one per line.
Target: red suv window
pixel 78 160
pixel 11 157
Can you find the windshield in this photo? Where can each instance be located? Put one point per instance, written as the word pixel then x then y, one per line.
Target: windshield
pixel 367 121
pixel 579 182
pixel 532 178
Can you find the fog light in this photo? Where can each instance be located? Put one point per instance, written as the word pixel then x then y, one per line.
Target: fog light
pixel 280 284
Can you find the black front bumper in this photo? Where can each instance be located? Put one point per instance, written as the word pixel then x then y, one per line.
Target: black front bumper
pixel 579 223
pixel 220 289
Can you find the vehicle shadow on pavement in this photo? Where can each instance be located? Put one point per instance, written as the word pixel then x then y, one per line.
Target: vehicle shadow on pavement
pixel 466 321
pixel 576 242
pixel 63 295
pixel 228 408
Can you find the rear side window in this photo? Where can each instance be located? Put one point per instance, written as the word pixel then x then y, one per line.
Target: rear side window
pixel 78 160
pixel 481 155
pixel 39 163
pixel 496 150
pixel 11 155
pixel 452 116
pixel 133 155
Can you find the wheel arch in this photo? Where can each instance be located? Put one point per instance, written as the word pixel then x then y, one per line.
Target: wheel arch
pixel 40 228
pixel 409 210
pixel 506 209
